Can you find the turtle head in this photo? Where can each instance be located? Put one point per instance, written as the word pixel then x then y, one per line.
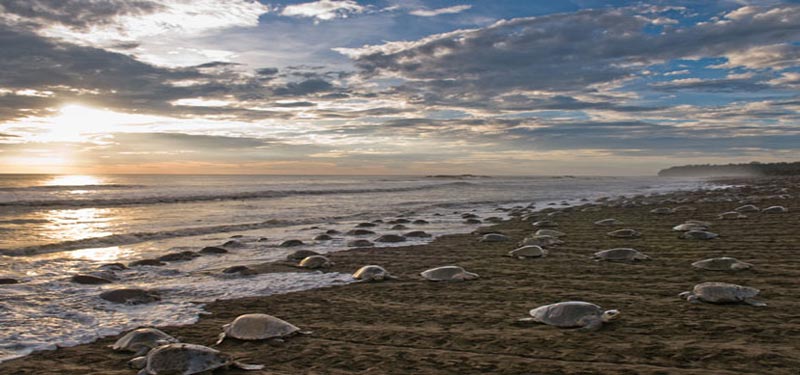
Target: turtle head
pixel 610 315
pixel 138 363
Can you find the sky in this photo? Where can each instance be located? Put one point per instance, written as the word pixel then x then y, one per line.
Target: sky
pixel 390 87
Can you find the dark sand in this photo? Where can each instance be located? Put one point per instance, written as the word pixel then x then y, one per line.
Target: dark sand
pixel 413 326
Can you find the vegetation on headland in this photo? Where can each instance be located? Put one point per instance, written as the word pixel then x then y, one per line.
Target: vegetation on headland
pixel 753 169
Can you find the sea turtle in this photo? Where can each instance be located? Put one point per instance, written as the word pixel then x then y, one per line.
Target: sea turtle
pixel 620 255
pixel 360 243
pixel 372 273
pixel 252 327
pixel 448 273
pixel 473 221
pixel 530 251
pixel 417 234
pixel 291 243
pixel 366 225
pixel 608 222
pixel 722 264
pixel 469 216
pixel 494 237
pixel 550 232
pixel 540 241
pixel 131 296
pixel 716 292
pixel 591 209
pixel 141 340
pixel 212 250
pixel 685 227
pixel 359 232
pixel 420 222
pixel 323 237
pixel 570 314
pixel 185 359
pixel 699 235
pixel 684 209
pixel 545 224
pixel 747 208
pixel 315 261
pixel 775 210
pixel 300 255
pixel 661 211
pixel 391 238
pixel 625 233
pixel 731 215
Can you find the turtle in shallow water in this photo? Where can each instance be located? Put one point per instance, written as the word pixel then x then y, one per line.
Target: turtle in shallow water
pixel 529 251
pixel 185 359
pixel 360 243
pixel 572 314
pixel 315 261
pixel 625 233
pixel 699 235
pixel 323 237
pixel 390 238
pixel 622 254
pixel 141 340
pixel 722 264
pixel 448 273
pixel 291 243
pixel 372 273
pixel 252 327
pixel 716 292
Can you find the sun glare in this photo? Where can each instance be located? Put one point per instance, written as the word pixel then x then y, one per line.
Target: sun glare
pixel 73 180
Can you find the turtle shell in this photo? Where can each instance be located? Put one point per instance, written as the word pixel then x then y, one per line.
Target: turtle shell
pixel 566 314
pixel 140 338
pixel 259 327
pixel 721 264
pixel 371 272
pixel 620 254
pixel 448 273
pixel 717 292
pixel 530 251
pixel 184 359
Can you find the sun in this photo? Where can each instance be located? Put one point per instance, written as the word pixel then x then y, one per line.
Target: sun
pixel 75 121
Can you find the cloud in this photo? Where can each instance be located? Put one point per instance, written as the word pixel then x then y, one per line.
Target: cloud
pixel 323 10
pixel 562 52
pixel 123 23
pixel 435 12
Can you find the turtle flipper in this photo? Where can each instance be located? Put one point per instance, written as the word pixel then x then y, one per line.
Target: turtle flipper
pixel 248 367
pixel 138 363
pixel 592 324
pixel 754 302
pixel 220 338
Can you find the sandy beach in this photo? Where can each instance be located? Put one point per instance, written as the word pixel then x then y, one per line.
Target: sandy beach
pixel 412 326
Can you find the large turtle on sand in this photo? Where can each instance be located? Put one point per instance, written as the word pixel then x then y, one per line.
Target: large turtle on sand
pixel 699 235
pixel 716 292
pixel 300 255
pixel 372 273
pixel 722 264
pixel 257 327
pixel 625 233
pixel 571 314
pixel 185 359
pixel 448 273
pixel 529 251
pixel 622 254
pixel 141 340
pixel 315 261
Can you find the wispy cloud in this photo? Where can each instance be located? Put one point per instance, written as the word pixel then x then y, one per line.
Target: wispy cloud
pixel 435 12
pixel 323 10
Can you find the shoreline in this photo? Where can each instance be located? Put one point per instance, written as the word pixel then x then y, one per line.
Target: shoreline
pixel 415 326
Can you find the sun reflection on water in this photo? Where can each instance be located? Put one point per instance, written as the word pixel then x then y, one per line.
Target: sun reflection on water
pixel 73 180
pixel 76 224
pixel 102 254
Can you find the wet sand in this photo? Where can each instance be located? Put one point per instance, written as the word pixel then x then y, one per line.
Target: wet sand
pixel 412 326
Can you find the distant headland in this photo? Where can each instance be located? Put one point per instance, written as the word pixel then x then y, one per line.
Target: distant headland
pixel 753 169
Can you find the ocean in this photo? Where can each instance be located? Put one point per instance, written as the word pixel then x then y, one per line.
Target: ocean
pixel 56 226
